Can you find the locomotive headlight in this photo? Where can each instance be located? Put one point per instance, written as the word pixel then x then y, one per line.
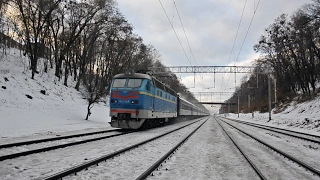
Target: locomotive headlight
pixel 134 102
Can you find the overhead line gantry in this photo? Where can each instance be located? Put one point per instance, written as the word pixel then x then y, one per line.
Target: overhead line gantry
pixel 211 93
pixel 209 69
pixel 217 69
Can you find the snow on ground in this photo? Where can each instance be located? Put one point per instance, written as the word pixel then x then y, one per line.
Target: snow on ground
pixel 62 108
pixel 304 117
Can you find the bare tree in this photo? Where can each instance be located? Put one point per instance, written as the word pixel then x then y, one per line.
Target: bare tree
pixel 290 47
pixel 3 4
pixel 33 16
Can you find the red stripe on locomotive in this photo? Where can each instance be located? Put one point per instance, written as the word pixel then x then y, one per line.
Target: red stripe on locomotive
pixel 117 94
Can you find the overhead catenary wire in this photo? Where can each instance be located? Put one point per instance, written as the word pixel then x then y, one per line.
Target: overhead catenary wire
pixel 254 12
pixel 174 31
pixel 171 23
pixel 191 53
pixel 234 41
pixel 184 32
pixel 244 7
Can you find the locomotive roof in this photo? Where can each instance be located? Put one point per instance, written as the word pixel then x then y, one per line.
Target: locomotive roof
pixel 133 75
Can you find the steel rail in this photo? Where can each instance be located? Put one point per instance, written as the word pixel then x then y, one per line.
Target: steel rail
pixel 145 174
pixel 53 138
pixel 16 155
pixel 303 164
pixel 75 169
pixel 255 168
pixel 270 128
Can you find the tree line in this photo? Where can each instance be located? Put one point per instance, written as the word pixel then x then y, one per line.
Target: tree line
pixel 89 41
pixel 290 49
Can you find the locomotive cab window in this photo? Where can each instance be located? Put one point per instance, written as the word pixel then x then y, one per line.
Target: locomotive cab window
pixel 134 83
pixel 119 83
pixel 148 86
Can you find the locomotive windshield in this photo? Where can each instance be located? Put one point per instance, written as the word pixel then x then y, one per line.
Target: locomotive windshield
pixel 119 83
pixel 122 83
pixel 134 83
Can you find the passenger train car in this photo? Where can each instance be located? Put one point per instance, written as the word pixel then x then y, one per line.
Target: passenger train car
pixel 141 101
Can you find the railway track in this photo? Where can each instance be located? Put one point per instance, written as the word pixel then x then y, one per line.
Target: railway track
pixel 115 159
pixel 10 151
pixel 207 154
pixel 301 135
pixel 7 145
pixel 152 168
pixel 255 159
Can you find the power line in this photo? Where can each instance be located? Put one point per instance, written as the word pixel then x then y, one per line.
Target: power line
pixel 254 12
pixel 184 31
pixel 244 7
pixel 187 39
pixel 176 32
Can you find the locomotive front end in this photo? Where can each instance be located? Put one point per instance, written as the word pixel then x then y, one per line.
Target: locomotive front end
pixel 128 104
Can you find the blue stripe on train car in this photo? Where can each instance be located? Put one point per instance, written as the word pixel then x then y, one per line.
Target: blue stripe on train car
pixel 147 101
pixel 164 106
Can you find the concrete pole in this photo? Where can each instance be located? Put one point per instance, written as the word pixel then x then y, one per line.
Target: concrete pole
pixel 238 107
pixel 249 102
pixel 269 96
pixel 275 92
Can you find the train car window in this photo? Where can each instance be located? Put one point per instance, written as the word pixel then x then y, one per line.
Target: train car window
pixel 158 84
pixel 119 83
pixel 134 83
pixel 148 86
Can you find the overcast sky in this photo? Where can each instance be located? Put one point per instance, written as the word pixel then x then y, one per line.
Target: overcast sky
pixel 211 28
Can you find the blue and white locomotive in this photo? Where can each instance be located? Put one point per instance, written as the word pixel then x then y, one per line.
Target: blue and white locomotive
pixel 141 101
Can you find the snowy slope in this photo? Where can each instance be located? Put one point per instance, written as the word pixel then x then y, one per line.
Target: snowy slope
pixel 304 117
pixel 60 109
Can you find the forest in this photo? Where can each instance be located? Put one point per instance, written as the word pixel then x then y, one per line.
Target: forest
pixel 90 41
pixel 86 41
pixel 290 50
